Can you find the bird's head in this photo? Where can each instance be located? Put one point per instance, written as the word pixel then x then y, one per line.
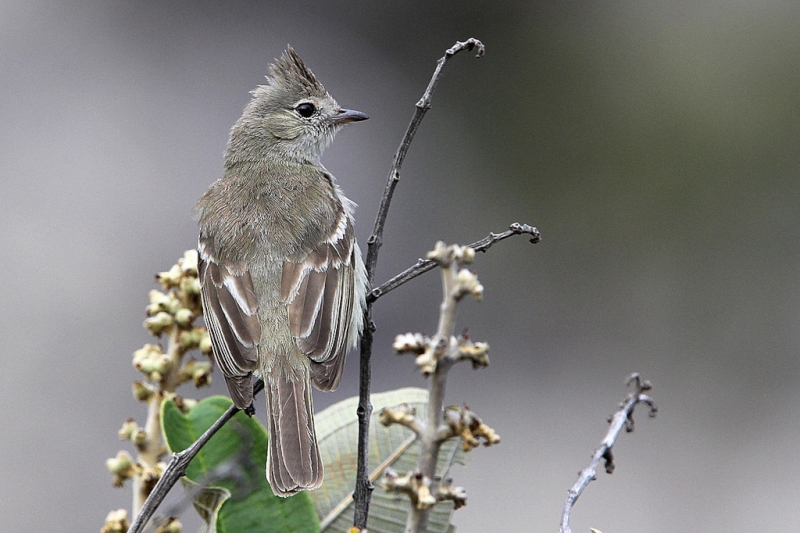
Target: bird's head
pixel 291 117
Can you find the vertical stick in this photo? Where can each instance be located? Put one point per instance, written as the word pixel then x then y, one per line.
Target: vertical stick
pixel 364 487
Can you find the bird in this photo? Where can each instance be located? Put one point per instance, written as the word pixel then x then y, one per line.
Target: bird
pixel 282 280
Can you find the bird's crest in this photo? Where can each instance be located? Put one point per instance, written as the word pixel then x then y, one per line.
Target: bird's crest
pixel 290 75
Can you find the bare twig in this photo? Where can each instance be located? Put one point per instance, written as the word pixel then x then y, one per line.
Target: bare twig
pixel 621 419
pixel 424 265
pixel 177 467
pixel 363 489
pixel 376 240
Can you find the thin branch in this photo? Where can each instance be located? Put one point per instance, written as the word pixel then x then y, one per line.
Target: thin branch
pixel 363 489
pixel 177 467
pixel 424 265
pixel 376 240
pixel 621 419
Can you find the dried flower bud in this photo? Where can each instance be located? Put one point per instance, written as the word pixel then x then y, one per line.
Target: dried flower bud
pixel 423 488
pixel 403 414
pixel 468 284
pixel 116 522
pixel 477 352
pixel 188 263
pixel 205 342
pixel 139 438
pixel 171 278
pixel 158 323
pixel 466 424
pixel 464 254
pixel 142 391
pixel 426 362
pixel 129 427
pixel 441 254
pixel 410 343
pixel 184 317
pixel 197 371
pixel 122 466
pixel 191 339
pixel 190 286
pixel 447 491
pixel 151 361
pixel 158 302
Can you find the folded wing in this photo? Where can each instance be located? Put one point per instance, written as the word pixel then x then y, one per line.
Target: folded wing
pixel 319 291
pixel 231 315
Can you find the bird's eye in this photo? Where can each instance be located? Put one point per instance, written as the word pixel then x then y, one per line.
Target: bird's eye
pixel 305 109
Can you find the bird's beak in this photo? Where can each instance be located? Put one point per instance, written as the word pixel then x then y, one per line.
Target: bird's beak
pixel 348 115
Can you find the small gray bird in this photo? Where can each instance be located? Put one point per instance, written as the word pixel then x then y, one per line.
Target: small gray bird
pixel 282 280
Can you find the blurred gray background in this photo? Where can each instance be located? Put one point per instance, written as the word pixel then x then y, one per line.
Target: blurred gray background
pixel 654 144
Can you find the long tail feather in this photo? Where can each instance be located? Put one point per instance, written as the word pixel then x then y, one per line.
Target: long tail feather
pixel 293 462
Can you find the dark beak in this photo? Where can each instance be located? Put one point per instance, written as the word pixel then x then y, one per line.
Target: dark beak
pixel 348 115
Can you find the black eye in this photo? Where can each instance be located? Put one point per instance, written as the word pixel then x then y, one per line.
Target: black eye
pixel 305 109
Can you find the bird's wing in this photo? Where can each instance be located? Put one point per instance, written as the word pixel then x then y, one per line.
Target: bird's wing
pixel 231 314
pixel 319 292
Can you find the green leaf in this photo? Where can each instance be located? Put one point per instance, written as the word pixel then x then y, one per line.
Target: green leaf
pixel 235 459
pixel 207 502
pixel 395 446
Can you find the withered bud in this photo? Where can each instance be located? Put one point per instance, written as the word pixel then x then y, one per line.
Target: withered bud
pixel 426 362
pixel 205 342
pixel 447 491
pixel 424 497
pixel 466 424
pixel 150 475
pixel 416 486
pixel 184 317
pixel 151 361
pixel 142 391
pixel 188 263
pixel 441 254
pixel 468 284
pixel 158 323
pixel 410 343
pixel 476 352
pixel 444 255
pixel 190 286
pixel 404 415
pixel 122 466
pixel 171 278
pixel 191 339
pixel 139 438
pixel 197 371
pixel 158 302
pixel 116 522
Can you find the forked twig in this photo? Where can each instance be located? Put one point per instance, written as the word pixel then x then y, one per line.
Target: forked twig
pixel 424 265
pixel 364 487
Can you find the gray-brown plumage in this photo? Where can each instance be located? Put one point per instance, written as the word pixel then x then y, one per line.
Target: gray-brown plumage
pixel 281 275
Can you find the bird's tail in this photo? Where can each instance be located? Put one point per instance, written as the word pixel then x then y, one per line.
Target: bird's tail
pixel 293 462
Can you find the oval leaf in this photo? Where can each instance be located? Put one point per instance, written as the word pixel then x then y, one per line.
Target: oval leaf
pixel 235 459
pixel 395 446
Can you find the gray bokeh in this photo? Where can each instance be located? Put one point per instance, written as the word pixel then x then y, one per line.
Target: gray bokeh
pixel 654 144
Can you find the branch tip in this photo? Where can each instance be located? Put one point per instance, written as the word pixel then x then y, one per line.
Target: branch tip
pixel 623 418
pixel 469 45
